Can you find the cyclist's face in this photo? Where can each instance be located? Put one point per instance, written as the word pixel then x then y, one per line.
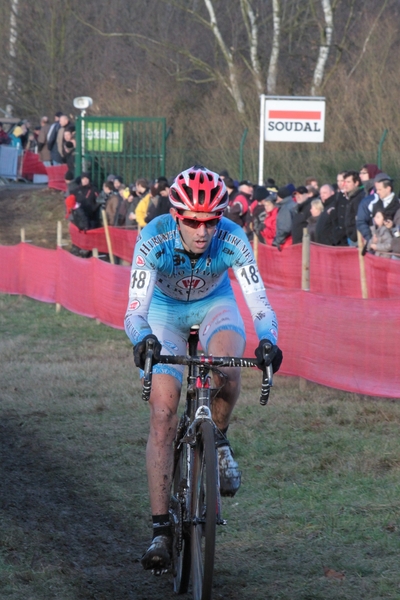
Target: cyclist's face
pixel 195 240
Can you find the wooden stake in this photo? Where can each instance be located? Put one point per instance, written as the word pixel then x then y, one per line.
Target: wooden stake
pixel 23 234
pixel 59 244
pixel 363 275
pixel 305 284
pixel 95 254
pixel 255 246
pixel 305 263
pixel 108 239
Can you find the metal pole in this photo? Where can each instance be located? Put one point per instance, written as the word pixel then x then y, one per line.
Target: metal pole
pixel 241 154
pixel 262 135
pixel 379 160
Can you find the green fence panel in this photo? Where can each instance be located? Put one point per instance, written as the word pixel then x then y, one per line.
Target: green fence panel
pixel 131 147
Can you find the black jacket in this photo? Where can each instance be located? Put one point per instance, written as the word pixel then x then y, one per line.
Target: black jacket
pixel 351 213
pixel 325 227
pixel 300 220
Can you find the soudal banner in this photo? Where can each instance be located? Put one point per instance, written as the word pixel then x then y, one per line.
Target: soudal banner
pixel 294 120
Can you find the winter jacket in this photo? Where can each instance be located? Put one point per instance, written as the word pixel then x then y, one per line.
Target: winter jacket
pixel 300 218
pixel 284 221
pixel 355 198
pixel 384 243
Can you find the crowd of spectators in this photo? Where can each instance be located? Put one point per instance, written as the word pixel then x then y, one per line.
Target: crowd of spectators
pixel 361 201
pixel 54 142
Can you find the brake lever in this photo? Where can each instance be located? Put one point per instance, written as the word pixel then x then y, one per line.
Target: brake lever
pixel 148 371
pixel 267 383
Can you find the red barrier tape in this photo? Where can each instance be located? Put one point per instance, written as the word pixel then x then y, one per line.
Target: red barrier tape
pixel 32 165
pixel 122 240
pixel 56 177
pixel 348 343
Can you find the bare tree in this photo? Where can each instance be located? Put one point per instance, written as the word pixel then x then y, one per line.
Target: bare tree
pixel 273 61
pixel 324 48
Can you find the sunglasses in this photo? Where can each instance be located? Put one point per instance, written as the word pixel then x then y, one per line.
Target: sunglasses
pixel 195 223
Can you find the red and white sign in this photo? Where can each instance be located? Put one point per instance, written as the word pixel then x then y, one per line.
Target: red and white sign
pixel 294 120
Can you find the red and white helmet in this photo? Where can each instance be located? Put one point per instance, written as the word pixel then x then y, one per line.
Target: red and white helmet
pixel 199 190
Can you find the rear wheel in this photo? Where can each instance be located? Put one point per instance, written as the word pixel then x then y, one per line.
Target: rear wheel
pixel 204 513
pixel 181 542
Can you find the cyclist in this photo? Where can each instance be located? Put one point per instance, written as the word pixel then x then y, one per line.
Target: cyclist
pixel 179 278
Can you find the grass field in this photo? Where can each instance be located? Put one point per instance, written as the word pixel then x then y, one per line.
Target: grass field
pixel 317 516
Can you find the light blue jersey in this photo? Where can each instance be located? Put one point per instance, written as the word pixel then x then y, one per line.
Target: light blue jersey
pixel 170 291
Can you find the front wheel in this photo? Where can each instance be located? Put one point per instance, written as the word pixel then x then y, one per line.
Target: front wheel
pixel 181 543
pixel 204 512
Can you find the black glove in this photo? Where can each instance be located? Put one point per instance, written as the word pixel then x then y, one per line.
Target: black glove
pixel 267 354
pixel 139 351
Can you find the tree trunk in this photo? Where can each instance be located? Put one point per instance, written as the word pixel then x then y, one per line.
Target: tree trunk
pixel 233 85
pixel 273 61
pixel 326 41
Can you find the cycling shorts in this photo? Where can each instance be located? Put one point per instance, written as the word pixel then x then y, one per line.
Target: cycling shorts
pixel 171 320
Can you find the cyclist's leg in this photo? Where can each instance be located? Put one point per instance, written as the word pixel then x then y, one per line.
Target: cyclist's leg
pixel 226 343
pixel 222 334
pixel 163 404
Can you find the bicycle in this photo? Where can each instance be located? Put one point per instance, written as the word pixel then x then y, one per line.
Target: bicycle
pixel 195 504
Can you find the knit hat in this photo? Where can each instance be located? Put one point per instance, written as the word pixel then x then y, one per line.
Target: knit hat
pixel 382 177
pixel 260 193
pixel 301 189
pixel 284 192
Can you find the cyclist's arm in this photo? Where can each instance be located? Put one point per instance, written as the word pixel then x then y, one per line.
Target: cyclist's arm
pixel 264 318
pixel 238 254
pixel 141 287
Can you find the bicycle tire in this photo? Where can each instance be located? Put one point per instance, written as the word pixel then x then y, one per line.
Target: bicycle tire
pixel 204 510
pixel 181 541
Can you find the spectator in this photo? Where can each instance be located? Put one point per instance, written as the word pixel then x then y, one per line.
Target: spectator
pixel 381 241
pixel 238 207
pixel 116 206
pixel 313 182
pixel 138 192
pixel 44 152
pixel 271 212
pixel 286 208
pixel 302 213
pixel 388 202
pixel 258 212
pixel 58 148
pixel 69 145
pixel 4 137
pixel 316 209
pixel 104 195
pixel 368 173
pixel 86 197
pixel 354 192
pixel 118 182
pixel 52 139
pixel 325 229
pixel 71 183
pixel 25 135
pixel 231 187
pixel 142 207
pixel 15 137
pixel 339 215
pixel 159 204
